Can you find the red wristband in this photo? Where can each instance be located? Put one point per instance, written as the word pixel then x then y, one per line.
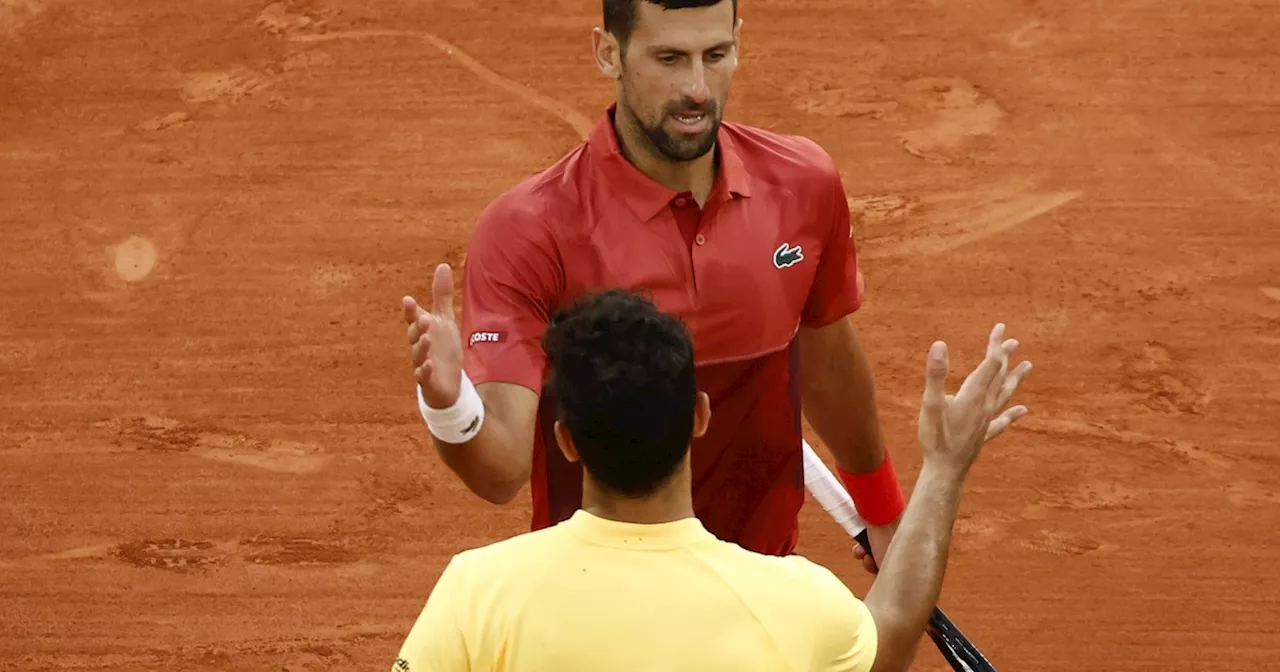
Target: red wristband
pixel 877 495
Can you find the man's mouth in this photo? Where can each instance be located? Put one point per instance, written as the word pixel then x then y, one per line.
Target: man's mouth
pixel 691 121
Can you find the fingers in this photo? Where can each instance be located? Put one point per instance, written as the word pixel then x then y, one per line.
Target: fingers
pixel 997 384
pixel 935 380
pixel 995 339
pixel 409 307
pixel 1001 423
pixel 1006 350
pixel 423 327
pixel 420 326
pixel 934 401
pixel 420 333
pixel 1010 384
pixel 978 385
pixel 442 291
pixel 421 350
pixel 413 314
pixel 868 562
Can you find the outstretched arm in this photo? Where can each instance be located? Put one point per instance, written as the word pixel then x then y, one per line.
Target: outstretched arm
pixel 485 432
pixel 952 431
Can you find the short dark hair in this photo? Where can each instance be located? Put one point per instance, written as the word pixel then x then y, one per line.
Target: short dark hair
pixel 622 373
pixel 620 15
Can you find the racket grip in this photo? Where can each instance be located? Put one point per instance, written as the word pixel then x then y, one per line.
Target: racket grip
pixel 956 649
pixel 863 540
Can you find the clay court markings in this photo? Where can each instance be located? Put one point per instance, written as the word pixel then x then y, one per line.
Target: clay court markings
pixel 167 435
pixel 944 221
pixel 922 225
pixel 135 257
pixel 899 225
pixel 572 118
pixel 950 112
pixel 917 225
pixel 953 220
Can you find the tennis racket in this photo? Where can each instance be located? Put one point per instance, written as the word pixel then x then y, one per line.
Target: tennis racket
pixel 959 652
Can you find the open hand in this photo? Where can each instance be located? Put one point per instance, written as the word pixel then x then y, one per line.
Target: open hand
pixel 950 423
pixel 435 342
pixel 953 428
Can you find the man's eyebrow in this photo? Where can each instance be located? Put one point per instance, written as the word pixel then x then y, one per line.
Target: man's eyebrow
pixel 659 49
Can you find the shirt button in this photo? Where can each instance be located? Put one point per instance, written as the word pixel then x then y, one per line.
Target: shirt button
pixel 681 202
pixel 699 239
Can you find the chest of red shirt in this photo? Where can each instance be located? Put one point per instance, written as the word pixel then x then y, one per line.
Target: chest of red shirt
pixel 740 281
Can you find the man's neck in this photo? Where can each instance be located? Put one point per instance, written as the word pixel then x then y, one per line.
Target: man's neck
pixel 674 501
pixel 696 176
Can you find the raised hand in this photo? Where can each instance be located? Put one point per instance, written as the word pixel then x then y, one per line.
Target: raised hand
pixel 954 428
pixel 1006 382
pixel 435 342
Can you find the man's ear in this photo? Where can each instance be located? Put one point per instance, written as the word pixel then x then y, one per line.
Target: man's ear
pixel 607 52
pixel 701 415
pixel 737 42
pixel 565 442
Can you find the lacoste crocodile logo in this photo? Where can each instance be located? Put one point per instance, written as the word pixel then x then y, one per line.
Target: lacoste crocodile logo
pixel 786 256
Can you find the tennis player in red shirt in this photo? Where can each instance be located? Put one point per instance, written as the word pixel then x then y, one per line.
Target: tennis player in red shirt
pixel 741 232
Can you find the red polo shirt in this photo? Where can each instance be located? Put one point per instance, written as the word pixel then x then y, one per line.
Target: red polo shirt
pixel 772 250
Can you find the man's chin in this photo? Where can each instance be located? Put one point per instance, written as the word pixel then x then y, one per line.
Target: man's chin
pixel 685 147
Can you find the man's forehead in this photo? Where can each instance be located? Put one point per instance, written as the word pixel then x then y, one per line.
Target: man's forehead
pixel 684 28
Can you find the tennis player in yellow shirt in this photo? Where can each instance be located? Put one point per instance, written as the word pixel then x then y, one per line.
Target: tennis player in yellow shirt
pixel 633 581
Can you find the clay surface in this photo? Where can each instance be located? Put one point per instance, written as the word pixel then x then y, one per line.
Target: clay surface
pixel 210 457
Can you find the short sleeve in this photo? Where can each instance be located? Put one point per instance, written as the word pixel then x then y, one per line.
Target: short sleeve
pixel 837 285
pixel 848 639
pixel 435 642
pixel 510 282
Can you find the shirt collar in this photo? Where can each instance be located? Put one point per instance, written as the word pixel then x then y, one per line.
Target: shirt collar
pixel 645 196
pixel 638 536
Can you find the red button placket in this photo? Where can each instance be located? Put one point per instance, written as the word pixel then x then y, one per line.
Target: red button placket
pixel 689 222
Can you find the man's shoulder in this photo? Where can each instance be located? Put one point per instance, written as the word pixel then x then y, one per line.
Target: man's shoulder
pixel 805 587
pixel 542 197
pixel 510 556
pixel 796 571
pixel 781 157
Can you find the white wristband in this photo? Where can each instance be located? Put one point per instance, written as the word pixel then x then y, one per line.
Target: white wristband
pixel 460 422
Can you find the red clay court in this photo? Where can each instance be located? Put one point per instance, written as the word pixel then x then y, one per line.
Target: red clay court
pixel 210 457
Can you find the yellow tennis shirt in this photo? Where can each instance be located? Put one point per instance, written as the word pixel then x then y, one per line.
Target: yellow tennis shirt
pixel 599 595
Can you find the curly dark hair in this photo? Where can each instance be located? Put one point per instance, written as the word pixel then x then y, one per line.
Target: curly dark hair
pixel 622 373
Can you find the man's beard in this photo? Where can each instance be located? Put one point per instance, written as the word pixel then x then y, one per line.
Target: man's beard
pixel 682 148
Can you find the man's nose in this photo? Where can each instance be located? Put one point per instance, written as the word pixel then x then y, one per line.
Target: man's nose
pixel 695 86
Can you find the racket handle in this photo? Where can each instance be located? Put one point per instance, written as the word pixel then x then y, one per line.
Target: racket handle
pixel 958 651
pixel 954 646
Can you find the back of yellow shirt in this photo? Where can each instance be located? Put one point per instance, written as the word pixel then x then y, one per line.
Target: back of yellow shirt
pixel 600 595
